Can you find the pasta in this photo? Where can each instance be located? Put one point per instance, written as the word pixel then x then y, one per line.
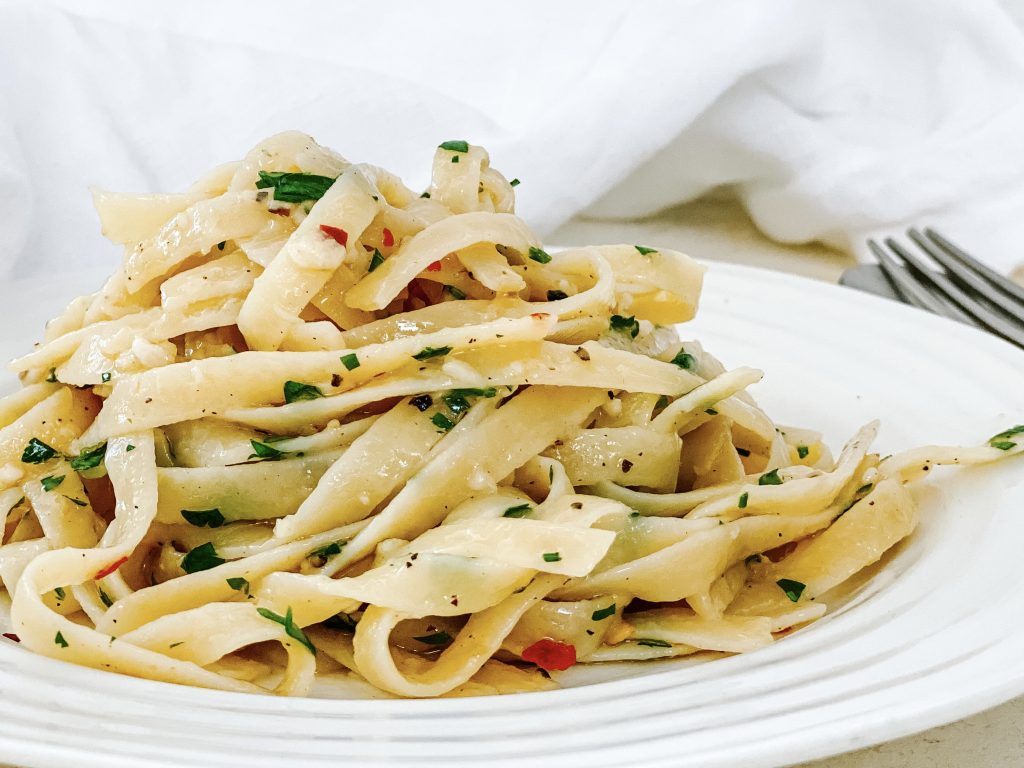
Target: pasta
pixel 318 425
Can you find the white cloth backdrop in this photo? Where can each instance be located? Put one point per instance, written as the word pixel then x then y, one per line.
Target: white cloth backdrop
pixel 830 120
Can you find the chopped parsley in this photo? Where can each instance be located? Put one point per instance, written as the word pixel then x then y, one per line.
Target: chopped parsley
pixel 624 324
pixel 770 478
pixel 60 593
pixel 603 613
pixel 290 627
pixel 557 295
pixel 802 451
pixel 342 622
pixel 90 458
pixel 685 360
pixel 294 187
pixel 662 403
pixel 36 452
pixel 350 361
pixel 742 503
pixel 428 352
pixel 327 550
pixel 129 448
pixel 59 640
pixel 294 391
pixel 442 422
pixel 539 255
pixel 201 518
pixel 454 146
pixel 264 452
pixel 73 500
pixel 644 251
pixel 376 260
pixel 514 183
pixel 456 403
pixel 476 392
pixel 105 377
pixel 520 510
pixel 239 584
pixel 202 558
pixel 455 159
pixel 105 599
pixel 710 411
pixel 421 402
pixel 51 481
pixel 552 557
pixel 52 378
pixel 999 441
pixel 653 643
pixel 793 589
pixel 437 638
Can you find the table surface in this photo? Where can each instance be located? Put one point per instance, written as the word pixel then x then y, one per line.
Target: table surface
pixel 719 230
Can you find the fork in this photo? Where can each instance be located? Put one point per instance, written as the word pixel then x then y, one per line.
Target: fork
pixel 953 284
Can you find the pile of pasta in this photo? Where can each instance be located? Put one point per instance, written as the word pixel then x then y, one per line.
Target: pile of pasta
pixel 320 424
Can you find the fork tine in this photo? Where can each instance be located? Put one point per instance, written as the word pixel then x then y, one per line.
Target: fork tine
pixel 912 292
pixel 997 323
pixel 1003 283
pixel 970 278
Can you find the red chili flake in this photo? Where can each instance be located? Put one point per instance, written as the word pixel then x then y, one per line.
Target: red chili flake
pixel 111 568
pixel 12 636
pixel 281 211
pixel 540 315
pixel 549 654
pixel 367 248
pixel 434 267
pixel 781 552
pixel 389 239
pixel 340 236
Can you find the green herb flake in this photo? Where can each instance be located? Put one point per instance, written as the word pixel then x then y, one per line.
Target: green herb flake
pixel 442 422
pixel 105 599
pixel 36 452
pixel 454 146
pixel 802 451
pixel 742 503
pixel 60 593
pixel 264 452
pixel 552 557
pixel 437 638
pixel 520 510
pixel 239 584
pixel 1002 445
pixel 52 378
pixel 644 251
pixel 751 559
pixel 770 478
pixel 476 392
pixel 202 558
pixel 428 352
pixel 129 447
pixel 51 481
pixel 376 260
pixel 624 324
pixel 294 187
pixel 426 195
pixel 514 183
pixel 456 403
pixel 75 501
pixel 603 613
pixel 105 377
pixel 296 391
pixel 793 589
pixel 202 518
pixel 59 640
pixel 539 255
pixel 654 643
pixel 455 159
pixel 557 295
pixel 327 550
pixel 290 627
pixel 685 360
pixel 999 441
pixel 350 361
pixel 710 411
pixel 90 458
pixel 456 293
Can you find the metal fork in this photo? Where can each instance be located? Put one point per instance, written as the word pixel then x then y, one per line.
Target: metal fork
pixel 952 284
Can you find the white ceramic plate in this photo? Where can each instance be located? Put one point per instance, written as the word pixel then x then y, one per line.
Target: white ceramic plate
pixel 934 637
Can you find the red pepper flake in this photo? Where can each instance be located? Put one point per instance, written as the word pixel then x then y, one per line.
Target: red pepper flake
pixel 389 239
pixel 780 552
pixel 540 315
pixel 12 636
pixel 111 568
pixel 434 267
pixel 549 654
pixel 367 248
pixel 281 211
pixel 340 236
